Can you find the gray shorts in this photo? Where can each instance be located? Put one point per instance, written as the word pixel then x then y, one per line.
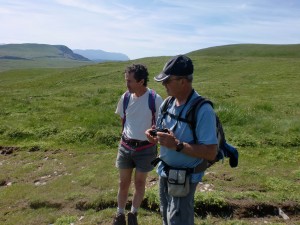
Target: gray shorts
pixel 176 210
pixel 141 160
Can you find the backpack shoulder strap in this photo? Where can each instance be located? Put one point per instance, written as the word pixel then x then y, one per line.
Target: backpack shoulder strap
pixel 166 104
pixel 191 115
pixel 125 105
pixel 151 103
pixel 169 100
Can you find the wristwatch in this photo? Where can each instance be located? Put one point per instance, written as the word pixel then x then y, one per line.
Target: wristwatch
pixel 179 147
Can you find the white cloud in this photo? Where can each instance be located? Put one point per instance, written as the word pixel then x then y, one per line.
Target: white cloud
pixel 149 28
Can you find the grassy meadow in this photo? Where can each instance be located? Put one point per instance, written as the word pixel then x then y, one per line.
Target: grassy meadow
pixel 59 138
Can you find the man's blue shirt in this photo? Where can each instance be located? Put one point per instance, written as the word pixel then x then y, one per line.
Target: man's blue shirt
pixel 205 130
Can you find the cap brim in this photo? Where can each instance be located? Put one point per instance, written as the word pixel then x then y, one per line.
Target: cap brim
pixel 161 77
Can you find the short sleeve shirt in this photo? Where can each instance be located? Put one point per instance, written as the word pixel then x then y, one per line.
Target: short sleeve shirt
pixel 138 115
pixel 205 130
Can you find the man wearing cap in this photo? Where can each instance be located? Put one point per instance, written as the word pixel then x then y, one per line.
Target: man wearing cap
pixel 177 147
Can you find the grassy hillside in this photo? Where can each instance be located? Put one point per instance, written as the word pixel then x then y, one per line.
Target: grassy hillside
pixel 20 56
pixel 252 50
pixel 59 137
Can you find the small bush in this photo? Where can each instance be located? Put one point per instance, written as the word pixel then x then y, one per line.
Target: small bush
pixel 19 133
pixel 44 132
pixel 248 195
pixel 36 204
pixel 75 135
pixel 3 129
pixel 276 184
pixel 152 199
pixel 65 220
pixel 267 107
pixel 107 138
pixel 212 199
pixel 86 179
pixel 234 115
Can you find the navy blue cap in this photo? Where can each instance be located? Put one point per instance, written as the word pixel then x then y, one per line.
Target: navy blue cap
pixel 179 65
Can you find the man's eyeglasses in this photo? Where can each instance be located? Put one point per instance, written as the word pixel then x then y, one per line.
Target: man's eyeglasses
pixel 170 79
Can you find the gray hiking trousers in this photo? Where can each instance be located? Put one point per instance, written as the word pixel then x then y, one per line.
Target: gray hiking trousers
pixel 176 210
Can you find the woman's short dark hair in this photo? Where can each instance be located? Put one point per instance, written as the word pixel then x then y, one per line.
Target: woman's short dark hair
pixel 139 71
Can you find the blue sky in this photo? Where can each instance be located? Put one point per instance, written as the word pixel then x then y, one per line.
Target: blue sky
pixel 142 28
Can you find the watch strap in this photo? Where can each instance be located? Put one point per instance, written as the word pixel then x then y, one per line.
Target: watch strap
pixel 179 147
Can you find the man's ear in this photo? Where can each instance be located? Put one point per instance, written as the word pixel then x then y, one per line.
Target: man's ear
pixel 142 81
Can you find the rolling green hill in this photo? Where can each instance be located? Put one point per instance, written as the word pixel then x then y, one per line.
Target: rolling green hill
pixel 59 138
pixel 20 56
pixel 252 50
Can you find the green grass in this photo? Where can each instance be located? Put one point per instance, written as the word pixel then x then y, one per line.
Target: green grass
pixel 63 122
pixel 6 65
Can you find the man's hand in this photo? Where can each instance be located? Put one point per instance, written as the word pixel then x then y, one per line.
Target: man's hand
pixel 164 137
pixel 151 138
pixel 167 139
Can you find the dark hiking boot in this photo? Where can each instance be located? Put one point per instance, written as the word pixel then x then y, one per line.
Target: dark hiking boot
pixel 132 218
pixel 119 219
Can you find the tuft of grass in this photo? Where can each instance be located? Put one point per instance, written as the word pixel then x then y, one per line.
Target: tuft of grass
pixel 152 199
pixel 212 199
pixel 66 220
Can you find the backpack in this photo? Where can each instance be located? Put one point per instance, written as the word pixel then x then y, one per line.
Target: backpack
pixel 224 149
pixel 151 104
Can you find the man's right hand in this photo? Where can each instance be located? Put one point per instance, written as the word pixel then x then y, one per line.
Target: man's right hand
pixel 151 138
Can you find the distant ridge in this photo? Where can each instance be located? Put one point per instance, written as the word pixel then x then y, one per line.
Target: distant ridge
pixel 34 51
pixel 253 50
pixel 101 56
pixel 30 55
